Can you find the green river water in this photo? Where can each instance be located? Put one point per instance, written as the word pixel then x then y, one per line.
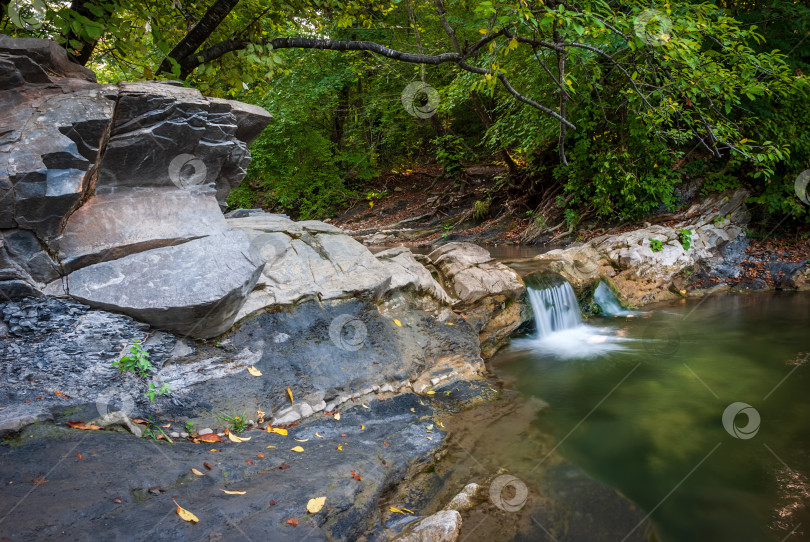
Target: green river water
pixel 637 404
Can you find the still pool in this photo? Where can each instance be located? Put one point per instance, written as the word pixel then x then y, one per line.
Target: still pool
pixel 638 404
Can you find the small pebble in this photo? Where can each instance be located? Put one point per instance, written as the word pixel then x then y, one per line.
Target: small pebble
pixel 205 431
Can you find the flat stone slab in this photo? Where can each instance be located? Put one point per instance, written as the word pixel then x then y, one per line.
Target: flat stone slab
pixel 379 444
pixel 111 226
pixel 195 288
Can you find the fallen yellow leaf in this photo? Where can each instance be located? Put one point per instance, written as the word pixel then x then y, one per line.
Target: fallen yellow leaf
pixel 397 322
pixel 213 450
pixel 364 405
pixel 185 514
pixel 431 392
pixel 409 511
pixel 269 447
pixel 301 439
pixel 289 392
pixel 254 371
pixel 396 510
pixel 198 473
pixel 233 492
pixel 339 448
pixel 317 435
pixel 362 427
pixel 277 431
pixel 337 415
pixel 234 438
pixel 297 449
pixel 316 505
pixel 450 324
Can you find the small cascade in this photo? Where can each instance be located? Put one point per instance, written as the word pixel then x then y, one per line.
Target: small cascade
pixel 560 330
pixel 555 307
pixel 609 305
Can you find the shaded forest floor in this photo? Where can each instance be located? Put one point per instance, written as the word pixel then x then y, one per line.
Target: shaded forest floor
pixel 419 208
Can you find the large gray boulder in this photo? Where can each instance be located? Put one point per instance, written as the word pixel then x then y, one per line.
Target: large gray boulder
pixel 308 260
pixel 110 226
pixel 408 275
pixel 114 193
pixel 195 288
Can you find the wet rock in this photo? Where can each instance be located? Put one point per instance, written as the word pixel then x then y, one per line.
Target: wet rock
pixel 464 499
pixel 443 526
pixel 118 418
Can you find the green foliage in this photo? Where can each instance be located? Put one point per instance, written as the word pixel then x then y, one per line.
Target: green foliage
pixel 685 238
pixel 137 362
pixel 236 423
pixel 481 208
pixel 153 391
pixel 656 245
pixel 450 154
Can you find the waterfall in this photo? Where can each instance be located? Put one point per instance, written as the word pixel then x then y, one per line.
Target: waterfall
pixel 561 334
pixel 555 308
pixel 603 296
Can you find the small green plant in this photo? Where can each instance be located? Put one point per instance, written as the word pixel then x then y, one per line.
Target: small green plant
pixel 153 430
pixel 137 362
pixel 235 423
pixel 447 228
pixel 481 208
pixel 153 391
pixel 656 245
pixel 189 428
pixel 719 220
pixel 685 237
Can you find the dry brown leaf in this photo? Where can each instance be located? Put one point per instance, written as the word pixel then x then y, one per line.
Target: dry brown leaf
pixel 210 437
pixel 260 456
pixel 185 514
pixel 316 505
pixel 78 456
pixel 289 392
pixel 293 522
pixel 254 371
pixel 83 426
pixel 196 472
pixel 297 449
pixel 233 491
pixel 208 466
pixel 234 438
